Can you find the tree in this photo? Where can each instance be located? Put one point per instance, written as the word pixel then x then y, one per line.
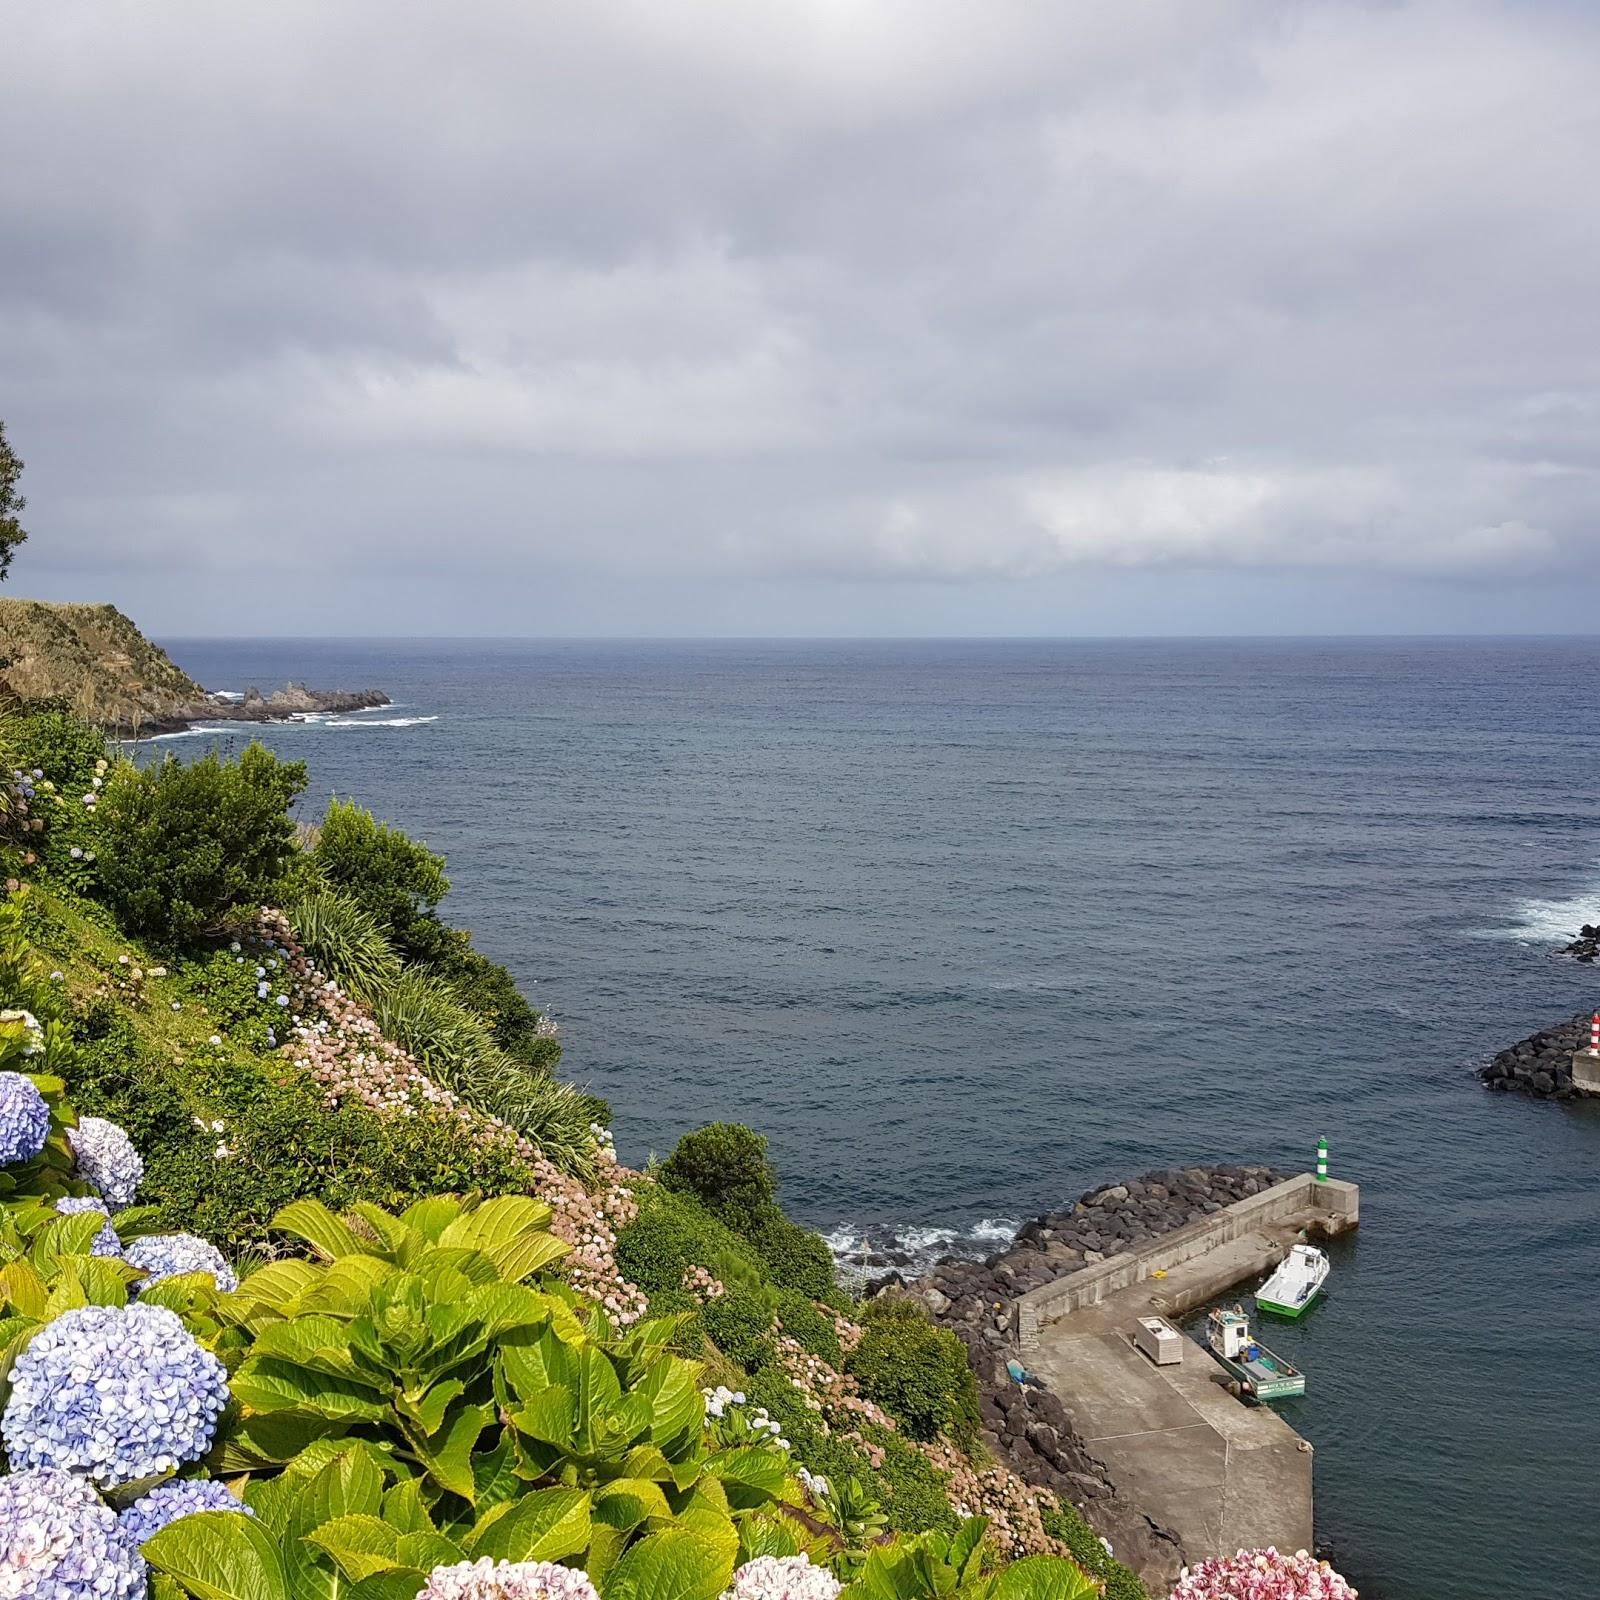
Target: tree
pixel 11 504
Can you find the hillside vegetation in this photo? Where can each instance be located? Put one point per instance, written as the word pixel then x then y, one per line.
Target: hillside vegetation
pixel 274 1134
pixel 94 659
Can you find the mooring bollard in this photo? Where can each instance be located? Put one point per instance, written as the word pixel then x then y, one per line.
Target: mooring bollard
pixel 1322 1145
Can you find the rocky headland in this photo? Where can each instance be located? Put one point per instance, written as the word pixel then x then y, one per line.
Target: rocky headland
pixel 95 661
pixel 1028 1427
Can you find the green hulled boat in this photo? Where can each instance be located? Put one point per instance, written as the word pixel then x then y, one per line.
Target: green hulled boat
pixel 1258 1372
pixel 1297 1281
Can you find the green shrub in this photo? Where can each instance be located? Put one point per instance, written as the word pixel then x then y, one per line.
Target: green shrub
pixel 912 1493
pixel 1068 1526
pixel 795 1257
pixel 739 1323
pixel 724 1166
pixel 182 842
pixel 344 940
pixel 808 1327
pixel 391 876
pixel 59 745
pixel 673 1233
pixel 918 1373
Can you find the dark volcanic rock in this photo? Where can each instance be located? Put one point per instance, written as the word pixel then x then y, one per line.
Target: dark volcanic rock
pixel 1541 1064
pixel 291 701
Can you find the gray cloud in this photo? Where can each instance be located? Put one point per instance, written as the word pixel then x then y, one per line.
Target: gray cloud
pixel 509 314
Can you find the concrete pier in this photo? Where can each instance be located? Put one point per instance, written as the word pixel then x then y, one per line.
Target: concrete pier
pixel 1586 1072
pixel 1218 1474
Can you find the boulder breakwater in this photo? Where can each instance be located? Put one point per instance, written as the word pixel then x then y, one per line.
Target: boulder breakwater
pixel 1541 1064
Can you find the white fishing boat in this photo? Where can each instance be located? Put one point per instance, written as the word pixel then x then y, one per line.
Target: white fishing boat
pixel 1259 1373
pixel 1297 1281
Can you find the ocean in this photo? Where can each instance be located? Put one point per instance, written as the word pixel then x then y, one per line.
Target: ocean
pixel 966 927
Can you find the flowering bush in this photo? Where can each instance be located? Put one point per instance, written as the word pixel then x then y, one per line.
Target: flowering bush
pixel 166 1255
pixel 106 1158
pixel 60 1541
pixel 24 1119
pixel 106 1242
pixel 782 1578
pixel 1262 1575
pixel 117 1392
pixel 338 1042
pixel 167 1502
pixel 507 1580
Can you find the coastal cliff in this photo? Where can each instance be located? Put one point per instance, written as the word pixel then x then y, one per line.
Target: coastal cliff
pixel 95 660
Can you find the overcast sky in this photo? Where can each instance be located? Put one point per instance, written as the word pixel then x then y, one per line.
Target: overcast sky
pixel 844 316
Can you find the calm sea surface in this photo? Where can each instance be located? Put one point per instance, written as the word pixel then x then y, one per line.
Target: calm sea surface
pixel 966 927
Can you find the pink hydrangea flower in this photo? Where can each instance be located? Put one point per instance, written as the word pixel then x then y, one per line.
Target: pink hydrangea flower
pixel 1262 1575
pixel 507 1580
pixel 782 1578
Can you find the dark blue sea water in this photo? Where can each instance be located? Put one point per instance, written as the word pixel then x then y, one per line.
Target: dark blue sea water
pixel 966 927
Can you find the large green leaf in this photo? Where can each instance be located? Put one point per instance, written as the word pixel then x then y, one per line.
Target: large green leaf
pixel 326 1232
pixel 626 1502
pixel 546 1525
pixel 1043 1578
pixel 447 1454
pixel 351 1485
pixel 265 1384
pixel 672 1386
pixel 360 1545
pixel 752 1474
pixel 220 1555
pixel 674 1565
pixel 318 1342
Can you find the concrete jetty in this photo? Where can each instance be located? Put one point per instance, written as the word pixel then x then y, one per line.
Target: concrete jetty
pixel 1218 1474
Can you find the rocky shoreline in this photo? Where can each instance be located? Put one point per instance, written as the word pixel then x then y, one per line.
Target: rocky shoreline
pixel 1541 1064
pixel 294 700
pixel 1027 1426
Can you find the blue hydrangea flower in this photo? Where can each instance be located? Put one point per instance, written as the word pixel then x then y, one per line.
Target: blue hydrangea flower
pixel 24 1119
pixel 60 1541
pixel 106 1242
pixel 152 1512
pixel 165 1255
pixel 107 1159
pixel 117 1392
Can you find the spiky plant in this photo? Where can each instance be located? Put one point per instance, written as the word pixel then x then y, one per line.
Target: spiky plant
pixel 345 942
pixel 553 1115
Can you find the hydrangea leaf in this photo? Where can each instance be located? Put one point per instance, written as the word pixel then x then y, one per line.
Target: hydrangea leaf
pixel 550 1416
pixel 360 1545
pixel 626 1502
pixel 497 1224
pixel 346 1288
pixel 404 1509
pixel 766 1536
pixel 22 1288
pixel 676 1407
pixel 1043 1578
pixel 752 1474
pixel 428 1409
pixel 545 1525
pixel 432 1216
pixel 325 1231
pixel 674 1565
pixel 447 1453
pixel 317 1342
pixel 265 1384
pixel 219 1555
